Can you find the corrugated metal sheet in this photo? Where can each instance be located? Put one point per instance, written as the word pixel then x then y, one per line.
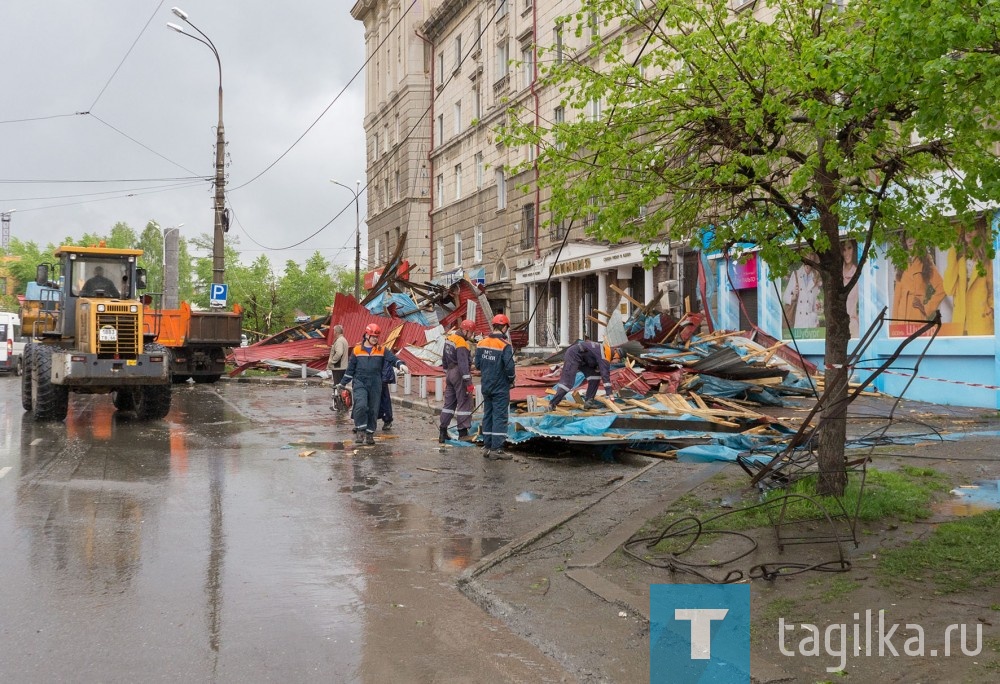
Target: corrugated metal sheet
pixel 299 351
pixel 417 366
pixel 355 318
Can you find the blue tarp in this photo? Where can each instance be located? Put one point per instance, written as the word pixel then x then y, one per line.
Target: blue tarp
pixel 405 307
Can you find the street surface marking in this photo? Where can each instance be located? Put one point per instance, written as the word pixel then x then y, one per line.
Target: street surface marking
pixel 4 471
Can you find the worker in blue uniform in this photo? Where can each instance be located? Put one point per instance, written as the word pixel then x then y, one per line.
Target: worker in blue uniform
pixel 495 361
pixel 456 359
pixel 594 361
pixel 365 371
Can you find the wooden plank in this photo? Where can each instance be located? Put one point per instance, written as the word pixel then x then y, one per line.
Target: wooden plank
pixel 642 405
pixel 654 454
pixel 698 400
pixel 627 296
pixel 610 404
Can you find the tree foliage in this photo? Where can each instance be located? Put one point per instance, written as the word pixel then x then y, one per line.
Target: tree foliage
pixel 788 128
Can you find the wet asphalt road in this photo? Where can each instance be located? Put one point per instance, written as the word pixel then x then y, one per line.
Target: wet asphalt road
pixel 241 539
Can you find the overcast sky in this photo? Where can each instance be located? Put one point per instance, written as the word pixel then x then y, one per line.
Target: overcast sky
pixel 152 122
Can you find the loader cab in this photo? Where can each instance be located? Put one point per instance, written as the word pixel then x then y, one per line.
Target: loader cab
pixel 101 274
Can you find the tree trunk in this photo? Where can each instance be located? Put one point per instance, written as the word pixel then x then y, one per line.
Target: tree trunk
pixel 833 429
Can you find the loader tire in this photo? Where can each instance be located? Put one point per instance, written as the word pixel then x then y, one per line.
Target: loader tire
pixel 124 399
pixel 152 402
pixel 49 401
pixel 26 360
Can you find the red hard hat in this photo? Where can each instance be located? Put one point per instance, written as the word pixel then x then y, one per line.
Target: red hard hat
pixel 500 319
pixel 468 326
pixel 373 329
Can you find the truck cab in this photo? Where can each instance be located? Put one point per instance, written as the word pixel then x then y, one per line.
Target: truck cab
pixel 11 343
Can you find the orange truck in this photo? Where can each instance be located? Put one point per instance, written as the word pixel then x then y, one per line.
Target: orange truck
pixel 199 341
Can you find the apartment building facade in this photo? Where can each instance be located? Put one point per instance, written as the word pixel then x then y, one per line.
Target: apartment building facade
pixel 464 214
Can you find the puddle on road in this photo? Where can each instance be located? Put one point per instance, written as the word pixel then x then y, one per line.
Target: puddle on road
pixel 971 499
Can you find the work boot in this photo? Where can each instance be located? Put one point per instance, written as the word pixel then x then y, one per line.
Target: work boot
pixel 592 404
pixel 463 435
pixel 486 452
pixel 499 455
pixel 387 426
pixel 442 435
pixel 369 438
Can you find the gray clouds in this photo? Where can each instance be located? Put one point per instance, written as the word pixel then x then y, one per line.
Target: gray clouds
pixel 282 65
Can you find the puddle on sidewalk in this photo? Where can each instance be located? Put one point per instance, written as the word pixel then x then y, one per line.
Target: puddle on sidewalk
pixel 972 499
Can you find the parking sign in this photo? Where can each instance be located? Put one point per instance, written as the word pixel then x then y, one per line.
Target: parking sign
pixel 217 294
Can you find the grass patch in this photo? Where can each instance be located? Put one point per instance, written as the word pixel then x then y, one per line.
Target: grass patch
pixel 838 589
pixel 958 556
pixel 904 495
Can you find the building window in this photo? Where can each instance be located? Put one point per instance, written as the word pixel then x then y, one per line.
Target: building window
pixel 399 185
pixel 458 250
pixel 440 69
pixel 477 102
pixel 378 251
pixel 458 52
pixel 375 146
pixel 557 41
pixel 527 65
pixel 458 117
pixel 501 190
pixel 479 34
pixel 501 9
pixel 440 255
pixel 594 109
pixel 528 226
pixel 385 188
pixel 503 59
pixel 440 129
pixel 396 138
pixel 440 190
pixel 595 26
pixel 477 244
pixel 458 181
pixel 559 229
pixel 480 171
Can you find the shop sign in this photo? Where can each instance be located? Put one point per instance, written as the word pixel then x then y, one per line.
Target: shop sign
pixel 620 256
pixel 744 275
pixel 567 267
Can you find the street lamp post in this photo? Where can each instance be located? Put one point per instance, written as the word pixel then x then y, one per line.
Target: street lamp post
pixel 218 254
pixel 357 236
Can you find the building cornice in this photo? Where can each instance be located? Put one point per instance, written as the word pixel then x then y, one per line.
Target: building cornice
pixel 441 18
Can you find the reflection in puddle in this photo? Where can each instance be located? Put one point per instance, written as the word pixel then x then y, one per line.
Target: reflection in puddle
pixel 972 499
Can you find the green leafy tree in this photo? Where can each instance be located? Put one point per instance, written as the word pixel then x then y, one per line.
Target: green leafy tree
pixel 309 289
pixel 872 122
pixel 151 244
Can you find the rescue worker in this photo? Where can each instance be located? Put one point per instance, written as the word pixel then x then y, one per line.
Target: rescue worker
pixel 594 361
pixel 365 371
pixel 458 390
pixel 495 361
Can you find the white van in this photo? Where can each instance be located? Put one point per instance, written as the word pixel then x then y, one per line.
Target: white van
pixel 11 344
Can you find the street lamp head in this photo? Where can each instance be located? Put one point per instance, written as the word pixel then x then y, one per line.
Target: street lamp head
pixel 177 28
pixel 179 13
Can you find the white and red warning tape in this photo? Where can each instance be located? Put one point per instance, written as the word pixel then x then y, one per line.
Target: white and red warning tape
pixel 944 380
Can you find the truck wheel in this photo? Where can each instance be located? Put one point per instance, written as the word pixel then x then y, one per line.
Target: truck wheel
pixel 50 401
pixel 19 365
pixel 26 360
pixel 124 399
pixel 152 402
